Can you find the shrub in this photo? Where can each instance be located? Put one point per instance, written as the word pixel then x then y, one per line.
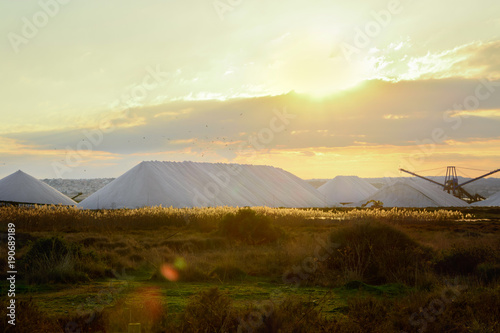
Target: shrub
pixel 439 311
pixel 462 259
pixel 28 319
pixel 377 254
pixel 227 272
pixel 93 321
pixel 88 241
pixel 209 311
pixel 368 314
pixel 488 272
pixel 56 260
pixel 248 227
pixel 294 315
pixel 475 310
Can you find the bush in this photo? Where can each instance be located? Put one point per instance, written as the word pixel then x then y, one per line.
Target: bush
pixel 475 310
pixel 440 311
pixel 462 260
pixel 248 227
pixel 488 272
pixel 367 314
pixel 294 315
pixel 377 254
pixel 28 319
pixel 91 321
pixel 227 272
pixel 209 311
pixel 56 260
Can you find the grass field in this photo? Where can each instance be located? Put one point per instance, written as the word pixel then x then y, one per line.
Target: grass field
pixel 260 270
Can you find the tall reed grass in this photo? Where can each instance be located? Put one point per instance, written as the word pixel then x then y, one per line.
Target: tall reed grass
pixel 64 219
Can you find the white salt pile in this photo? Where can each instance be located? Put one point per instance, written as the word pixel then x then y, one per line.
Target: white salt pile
pixel 492 201
pixel 191 184
pixel 20 187
pixel 346 190
pixel 410 193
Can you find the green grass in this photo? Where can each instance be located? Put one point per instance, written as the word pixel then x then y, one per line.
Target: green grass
pixel 57 301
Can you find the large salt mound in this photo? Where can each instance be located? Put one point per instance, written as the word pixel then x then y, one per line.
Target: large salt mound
pixel 346 189
pixel 414 194
pixel 492 201
pixel 20 187
pixel 191 184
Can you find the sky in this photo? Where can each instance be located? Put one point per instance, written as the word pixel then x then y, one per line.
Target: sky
pixel 319 88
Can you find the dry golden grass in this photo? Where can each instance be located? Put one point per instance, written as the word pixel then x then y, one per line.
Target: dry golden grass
pixel 71 219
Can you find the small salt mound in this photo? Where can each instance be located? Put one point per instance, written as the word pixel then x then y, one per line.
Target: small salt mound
pixel 20 187
pixel 346 189
pixel 492 201
pixel 191 184
pixel 410 193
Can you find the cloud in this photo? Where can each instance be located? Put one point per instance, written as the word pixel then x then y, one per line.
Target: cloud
pixel 478 113
pixel 469 61
pixel 395 116
pixel 375 119
pixel 482 60
pixel 378 112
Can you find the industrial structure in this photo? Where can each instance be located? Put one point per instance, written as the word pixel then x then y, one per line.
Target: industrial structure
pixel 452 186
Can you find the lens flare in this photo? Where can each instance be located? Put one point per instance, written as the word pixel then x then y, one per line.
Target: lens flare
pixel 180 263
pixel 169 272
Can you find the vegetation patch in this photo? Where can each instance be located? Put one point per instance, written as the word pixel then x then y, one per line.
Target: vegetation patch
pixel 379 276
pixel 29 318
pixel 54 260
pixel 209 311
pixel 249 227
pixel 464 260
pixel 377 254
pixel 226 272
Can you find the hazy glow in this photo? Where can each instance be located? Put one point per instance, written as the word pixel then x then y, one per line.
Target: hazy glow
pixel 180 81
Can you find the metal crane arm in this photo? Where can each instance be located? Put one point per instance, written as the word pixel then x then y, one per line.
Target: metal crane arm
pixel 414 174
pixel 485 175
